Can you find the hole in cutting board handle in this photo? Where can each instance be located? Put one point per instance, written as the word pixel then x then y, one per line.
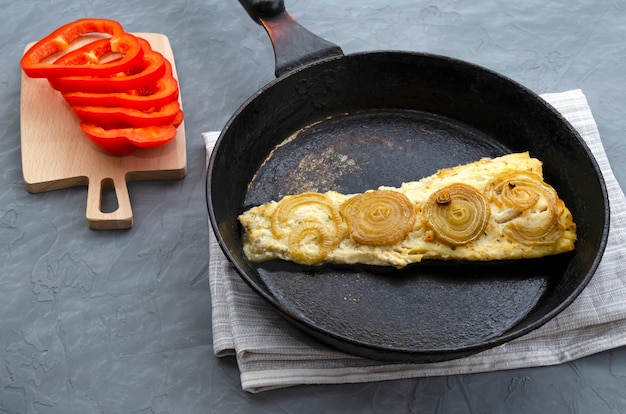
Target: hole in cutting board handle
pixel 108 196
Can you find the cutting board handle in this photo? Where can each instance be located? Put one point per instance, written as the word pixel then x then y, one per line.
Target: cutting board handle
pixel 121 218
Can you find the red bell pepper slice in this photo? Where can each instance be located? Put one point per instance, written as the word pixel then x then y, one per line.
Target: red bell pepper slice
pixel 152 67
pixel 163 92
pixel 120 117
pixel 122 141
pixel 178 119
pixel 89 54
pixel 157 94
pixel 60 39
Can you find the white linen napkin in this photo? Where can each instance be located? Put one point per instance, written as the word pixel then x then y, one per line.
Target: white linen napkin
pixel 272 354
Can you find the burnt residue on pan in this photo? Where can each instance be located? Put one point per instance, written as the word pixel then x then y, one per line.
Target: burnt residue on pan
pixel 354 152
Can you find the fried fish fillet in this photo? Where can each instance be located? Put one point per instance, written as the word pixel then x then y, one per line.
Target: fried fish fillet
pixel 491 209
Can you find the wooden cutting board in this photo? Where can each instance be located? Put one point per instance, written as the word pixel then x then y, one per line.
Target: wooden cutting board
pixel 56 154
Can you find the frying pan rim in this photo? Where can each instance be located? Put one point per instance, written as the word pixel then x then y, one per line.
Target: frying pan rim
pixel 403 353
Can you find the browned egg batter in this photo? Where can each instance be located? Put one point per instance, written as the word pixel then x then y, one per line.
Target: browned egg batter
pixel 492 209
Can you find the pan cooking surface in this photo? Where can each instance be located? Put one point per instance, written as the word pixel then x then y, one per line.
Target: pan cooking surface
pixel 425 307
pixel 421 309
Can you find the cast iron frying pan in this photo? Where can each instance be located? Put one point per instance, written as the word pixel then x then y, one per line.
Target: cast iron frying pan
pixel 355 122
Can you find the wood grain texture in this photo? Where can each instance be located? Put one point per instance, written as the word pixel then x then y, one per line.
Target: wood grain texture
pixel 57 155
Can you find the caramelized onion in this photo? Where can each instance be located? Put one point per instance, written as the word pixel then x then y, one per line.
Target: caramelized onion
pixel 457 214
pixel 289 204
pixel 312 224
pixel 540 228
pixel 378 217
pixel 516 190
pixel 310 242
pixel 535 205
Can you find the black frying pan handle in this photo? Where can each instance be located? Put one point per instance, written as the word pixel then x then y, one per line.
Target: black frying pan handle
pixel 258 9
pixel 294 46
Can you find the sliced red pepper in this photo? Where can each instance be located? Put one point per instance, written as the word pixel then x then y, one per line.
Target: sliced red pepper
pixel 162 92
pixel 178 119
pixel 120 117
pixel 60 39
pixel 90 54
pixel 122 141
pixel 152 67
pixel 125 102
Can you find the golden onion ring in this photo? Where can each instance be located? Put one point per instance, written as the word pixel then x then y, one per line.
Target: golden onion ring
pixel 312 225
pixel 286 207
pixel 518 190
pixel 457 214
pixel 305 251
pixel 536 204
pixel 378 217
pixel 537 229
